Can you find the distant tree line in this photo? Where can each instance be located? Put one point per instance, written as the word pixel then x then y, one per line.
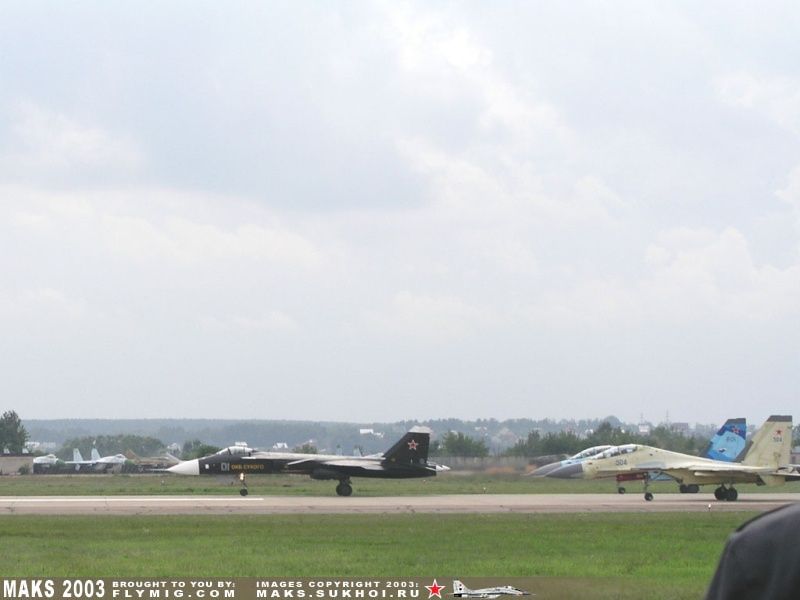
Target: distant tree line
pixel 458 444
pixel 567 442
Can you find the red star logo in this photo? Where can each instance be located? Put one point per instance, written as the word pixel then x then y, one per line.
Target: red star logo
pixel 412 445
pixel 778 431
pixel 434 589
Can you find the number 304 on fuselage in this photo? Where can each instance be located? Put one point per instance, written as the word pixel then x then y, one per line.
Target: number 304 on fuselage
pixel 765 462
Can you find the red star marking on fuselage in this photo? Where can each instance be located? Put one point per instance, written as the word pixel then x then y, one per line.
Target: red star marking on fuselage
pixel 412 445
pixel 778 431
pixel 434 589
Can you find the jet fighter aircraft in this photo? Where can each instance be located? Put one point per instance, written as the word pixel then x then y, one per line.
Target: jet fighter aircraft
pixel 766 462
pixel 726 445
pixel 97 462
pixel 462 591
pixel 407 458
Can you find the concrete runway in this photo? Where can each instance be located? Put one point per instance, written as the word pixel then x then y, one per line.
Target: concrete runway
pixel 475 503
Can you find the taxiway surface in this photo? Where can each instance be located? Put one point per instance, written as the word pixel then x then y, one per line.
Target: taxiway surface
pixel 477 503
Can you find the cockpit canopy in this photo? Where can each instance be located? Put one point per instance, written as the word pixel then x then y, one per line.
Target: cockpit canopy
pixel 589 452
pixel 237 450
pixel 618 450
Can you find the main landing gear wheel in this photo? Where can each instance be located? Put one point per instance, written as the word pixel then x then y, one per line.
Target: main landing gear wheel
pixel 648 496
pixel 620 490
pixel 243 491
pixel 692 488
pixel 721 493
pixel 683 489
pixel 732 495
pixel 344 489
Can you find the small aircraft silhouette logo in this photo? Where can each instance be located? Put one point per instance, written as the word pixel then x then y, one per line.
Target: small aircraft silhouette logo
pixel 434 589
pixel 412 445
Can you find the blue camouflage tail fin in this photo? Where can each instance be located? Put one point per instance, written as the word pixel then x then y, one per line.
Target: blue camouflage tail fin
pixel 729 442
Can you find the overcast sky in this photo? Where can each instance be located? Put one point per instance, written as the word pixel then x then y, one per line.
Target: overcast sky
pixel 375 211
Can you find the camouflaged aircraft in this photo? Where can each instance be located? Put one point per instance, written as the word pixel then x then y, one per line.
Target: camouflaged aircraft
pixel 408 458
pixel 765 462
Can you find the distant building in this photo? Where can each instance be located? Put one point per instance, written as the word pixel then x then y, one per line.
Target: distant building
pixel 43 447
pixel 372 432
pixel 644 429
pixel 682 428
pixel 12 464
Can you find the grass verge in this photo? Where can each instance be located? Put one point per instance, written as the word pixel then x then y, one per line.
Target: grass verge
pixel 301 485
pixel 671 555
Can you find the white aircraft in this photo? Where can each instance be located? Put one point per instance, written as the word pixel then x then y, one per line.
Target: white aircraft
pixel 462 591
pixel 97 462
pixel 47 460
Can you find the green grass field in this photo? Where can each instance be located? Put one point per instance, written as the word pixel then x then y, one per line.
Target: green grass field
pixel 300 485
pixel 671 555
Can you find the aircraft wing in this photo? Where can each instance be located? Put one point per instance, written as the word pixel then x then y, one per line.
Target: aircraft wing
pixel 363 464
pixel 341 462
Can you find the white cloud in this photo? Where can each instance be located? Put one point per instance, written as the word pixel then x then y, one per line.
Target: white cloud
pixel 182 240
pixel 775 97
pixel 438 319
pixel 791 196
pixel 44 305
pixel 694 276
pixel 44 143
pixel 272 321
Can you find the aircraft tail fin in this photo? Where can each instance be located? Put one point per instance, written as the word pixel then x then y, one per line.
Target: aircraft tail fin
pixel 76 455
pixel 412 448
pixel 729 442
pixel 95 454
pixel 772 443
pixel 459 588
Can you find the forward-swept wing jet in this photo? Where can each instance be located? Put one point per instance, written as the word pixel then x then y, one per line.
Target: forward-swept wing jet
pixel 766 462
pixel 405 459
pixel 462 591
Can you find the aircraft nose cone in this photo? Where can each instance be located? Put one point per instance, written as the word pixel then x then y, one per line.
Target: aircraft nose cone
pixel 546 469
pixel 568 472
pixel 187 467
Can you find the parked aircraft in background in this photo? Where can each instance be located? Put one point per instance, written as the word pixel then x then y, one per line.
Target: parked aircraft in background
pixel 766 462
pixel 97 462
pixel 406 459
pixel 726 445
pixel 152 463
pixel 47 460
pixel 462 591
